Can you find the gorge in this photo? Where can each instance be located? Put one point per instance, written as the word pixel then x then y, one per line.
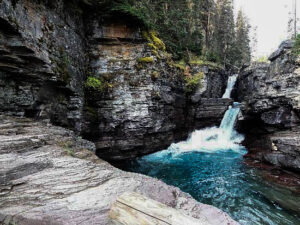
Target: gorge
pixel 84 90
pixel 209 166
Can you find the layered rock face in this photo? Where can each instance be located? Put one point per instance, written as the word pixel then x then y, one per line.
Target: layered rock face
pixel 50 49
pixel 42 61
pixel 50 176
pixel 147 108
pixel 271 108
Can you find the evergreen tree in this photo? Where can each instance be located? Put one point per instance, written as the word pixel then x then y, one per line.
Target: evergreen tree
pixel 203 27
pixel 242 41
pixel 224 34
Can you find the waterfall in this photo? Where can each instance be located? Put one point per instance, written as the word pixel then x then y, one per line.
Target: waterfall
pixel 222 138
pixel 230 84
pixel 229 119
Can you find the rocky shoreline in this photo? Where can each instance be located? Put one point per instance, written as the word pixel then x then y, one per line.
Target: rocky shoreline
pixel 51 176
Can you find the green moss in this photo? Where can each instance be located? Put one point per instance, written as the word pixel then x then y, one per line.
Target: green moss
pixel 192 83
pixel 154 52
pixel 156 41
pixel 154 75
pixel 146 60
pixel 94 83
pixel 152 46
pixel 99 85
pixel 153 41
pixel 180 65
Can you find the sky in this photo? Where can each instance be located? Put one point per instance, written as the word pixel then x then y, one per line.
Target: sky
pixel 271 19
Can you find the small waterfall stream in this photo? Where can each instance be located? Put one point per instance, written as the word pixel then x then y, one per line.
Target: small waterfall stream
pixel 230 85
pixel 215 139
pixel 209 165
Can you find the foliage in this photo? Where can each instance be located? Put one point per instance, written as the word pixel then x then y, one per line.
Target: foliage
pixel 203 27
pixel 96 84
pixel 296 47
pixel 201 61
pixel 192 83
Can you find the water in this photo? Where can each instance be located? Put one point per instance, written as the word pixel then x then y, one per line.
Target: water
pixel 220 179
pixel 230 84
pixel 209 165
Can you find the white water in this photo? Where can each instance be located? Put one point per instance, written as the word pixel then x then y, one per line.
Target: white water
pixel 213 139
pixel 230 84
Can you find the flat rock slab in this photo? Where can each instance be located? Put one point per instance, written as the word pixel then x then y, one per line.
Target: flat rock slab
pixel 135 209
pixel 52 176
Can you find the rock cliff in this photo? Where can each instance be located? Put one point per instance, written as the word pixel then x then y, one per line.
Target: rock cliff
pixel 103 77
pixel 50 176
pixel 270 94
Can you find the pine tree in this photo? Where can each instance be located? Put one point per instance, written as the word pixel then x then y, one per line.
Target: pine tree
pixel 224 33
pixel 242 42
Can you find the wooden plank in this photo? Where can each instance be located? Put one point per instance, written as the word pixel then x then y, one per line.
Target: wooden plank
pixel 135 209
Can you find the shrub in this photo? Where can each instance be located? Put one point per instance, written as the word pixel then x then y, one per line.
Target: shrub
pixel 94 83
pixel 97 84
pixel 192 83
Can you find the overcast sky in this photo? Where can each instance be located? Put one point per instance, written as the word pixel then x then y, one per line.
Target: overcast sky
pixel 271 19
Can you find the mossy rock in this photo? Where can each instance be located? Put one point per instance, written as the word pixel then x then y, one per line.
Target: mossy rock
pixel 146 60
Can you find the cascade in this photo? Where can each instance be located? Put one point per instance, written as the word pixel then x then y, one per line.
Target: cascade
pixel 230 84
pixel 214 139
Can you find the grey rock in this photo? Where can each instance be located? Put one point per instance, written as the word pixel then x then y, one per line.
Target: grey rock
pixel 50 176
pixel 49 50
pixel 270 96
pixel 287 44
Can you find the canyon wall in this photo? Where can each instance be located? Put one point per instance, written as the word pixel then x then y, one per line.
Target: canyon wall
pixel 270 96
pixel 53 51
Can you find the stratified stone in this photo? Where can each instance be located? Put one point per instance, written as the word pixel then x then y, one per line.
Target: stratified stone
pixel 48 175
pixel 270 94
